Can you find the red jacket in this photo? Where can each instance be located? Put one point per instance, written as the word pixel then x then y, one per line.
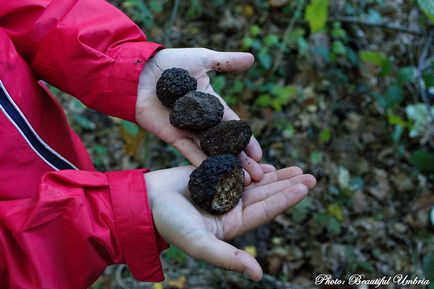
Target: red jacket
pixel 61 222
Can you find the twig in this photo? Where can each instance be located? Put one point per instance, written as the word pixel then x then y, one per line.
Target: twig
pixel 288 30
pixel 379 24
pixel 171 21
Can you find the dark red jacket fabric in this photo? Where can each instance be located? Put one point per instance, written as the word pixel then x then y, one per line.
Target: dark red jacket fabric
pixel 61 222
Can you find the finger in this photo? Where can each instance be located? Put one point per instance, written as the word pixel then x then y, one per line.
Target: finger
pixel 247 180
pixel 279 175
pixel 226 256
pixel 253 149
pixel 228 61
pixel 190 150
pixel 251 166
pixel 263 212
pixel 267 168
pixel 261 193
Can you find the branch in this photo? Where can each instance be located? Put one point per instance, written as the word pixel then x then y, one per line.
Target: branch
pixel 171 21
pixel 288 30
pixel 379 24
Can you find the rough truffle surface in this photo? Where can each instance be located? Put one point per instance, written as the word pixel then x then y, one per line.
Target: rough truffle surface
pixel 217 184
pixel 229 137
pixel 173 84
pixel 196 111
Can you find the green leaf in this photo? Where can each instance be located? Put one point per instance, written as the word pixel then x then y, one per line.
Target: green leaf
pixel 218 83
pixel 100 150
pixel 230 100
pixel 263 100
pixel 156 6
pixel 316 14
pixel 373 57
pixel 343 177
pixel 247 42
pixel 333 226
pixel 386 67
pixel 255 30
pixel 422 160
pixel 374 16
pixel 276 104
pixel 175 255
pixel 130 127
pixel 324 135
pixel 238 86
pixel 84 122
pixel 392 97
pixel 429 80
pixel 271 39
pixel 396 120
pixel 265 59
pixel 337 31
pixel 427 6
pixel 339 48
pixel 315 157
pixel 302 46
pixel 428 266
pixel 405 74
pixel 365 265
pixel 301 210
pixel 335 211
pixel 418 113
pixel 396 134
pixel 323 51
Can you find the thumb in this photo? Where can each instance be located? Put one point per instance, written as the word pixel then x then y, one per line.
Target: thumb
pixel 228 61
pixel 226 256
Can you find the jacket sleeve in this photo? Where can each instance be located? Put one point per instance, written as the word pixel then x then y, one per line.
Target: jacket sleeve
pixel 80 222
pixel 87 48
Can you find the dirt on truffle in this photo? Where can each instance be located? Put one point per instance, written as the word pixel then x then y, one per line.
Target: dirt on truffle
pixel 173 84
pixel 229 137
pixel 196 111
pixel 217 184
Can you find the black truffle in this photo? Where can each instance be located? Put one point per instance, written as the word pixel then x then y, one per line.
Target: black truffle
pixel 173 84
pixel 196 111
pixel 229 137
pixel 217 184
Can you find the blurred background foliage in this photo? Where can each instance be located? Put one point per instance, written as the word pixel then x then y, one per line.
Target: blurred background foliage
pixel 343 89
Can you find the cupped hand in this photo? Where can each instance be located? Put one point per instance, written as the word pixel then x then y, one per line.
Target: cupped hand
pixel 202 235
pixel 154 117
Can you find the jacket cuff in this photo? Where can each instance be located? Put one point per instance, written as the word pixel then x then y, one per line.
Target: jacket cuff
pixel 140 242
pixel 124 78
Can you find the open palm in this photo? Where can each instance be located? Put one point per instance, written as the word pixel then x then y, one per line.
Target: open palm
pixel 154 117
pixel 202 235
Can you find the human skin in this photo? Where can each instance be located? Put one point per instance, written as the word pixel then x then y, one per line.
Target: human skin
pixel 204 236
pixel 154 117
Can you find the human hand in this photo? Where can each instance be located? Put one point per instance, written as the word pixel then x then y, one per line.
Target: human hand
pixel 202 235
pixel 154 117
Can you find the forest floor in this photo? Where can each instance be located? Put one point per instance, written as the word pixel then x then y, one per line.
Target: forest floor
pixel 341 99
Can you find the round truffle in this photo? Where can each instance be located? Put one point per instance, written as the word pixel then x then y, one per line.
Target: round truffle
pixel 173 84
pixel 196 111
pixel 217 184
pixel 229 137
